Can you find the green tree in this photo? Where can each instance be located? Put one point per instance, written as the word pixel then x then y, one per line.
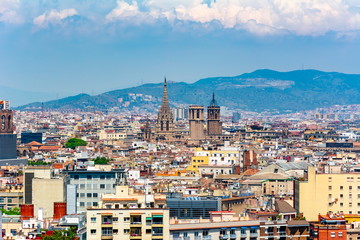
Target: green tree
pixel 14 211
pixel 101 160
pixel 75 142
pixel 68 234
pixel 37 163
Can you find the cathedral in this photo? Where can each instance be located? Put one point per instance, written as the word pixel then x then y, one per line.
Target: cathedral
pixel 200 130
pixel 165 121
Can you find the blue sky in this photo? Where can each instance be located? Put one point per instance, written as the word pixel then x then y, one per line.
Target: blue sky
pixel 64 47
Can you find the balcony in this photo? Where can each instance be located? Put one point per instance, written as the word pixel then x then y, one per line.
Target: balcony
pixel 208 237
pixel 135 235
pixel 106 237
pixel 224 237
pixel 254 234
pixel 107 224
pixel 233 236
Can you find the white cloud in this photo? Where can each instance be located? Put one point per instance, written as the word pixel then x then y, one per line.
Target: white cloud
pixel 301 17
pixel 9 11
pixel 54 17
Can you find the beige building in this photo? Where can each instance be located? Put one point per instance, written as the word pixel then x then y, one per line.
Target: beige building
pixel 43 189
pixel 321 193
pixel 129 215
pixel 11 197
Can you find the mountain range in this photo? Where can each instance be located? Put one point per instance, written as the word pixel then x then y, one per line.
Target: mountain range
pixel 258 91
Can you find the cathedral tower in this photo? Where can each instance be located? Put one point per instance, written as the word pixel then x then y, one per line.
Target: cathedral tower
pixel 196 122
pixel 214 125
pixel 165 120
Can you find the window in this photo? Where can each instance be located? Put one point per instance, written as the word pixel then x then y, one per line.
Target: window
pixel 243 231
pixel 340 234
pixel 350 204
pixel 95 204
pixel 196 234
pixel 115 219
pixel 332 234
pixel 102 176
pixel 82 194
pixel 76 176
pixel 341 187
pixel 126 219
pixel 330 187
pixel 82 186
pixel 341 204
pixel 330 179
pixel 89 177
pixel 126 231
pixel 93 219
pixel 93 231
pixel 341 195
pixel 102 186
pixel 95 195
pixel 350 195
pixel 185 234
pixel 89 195
pixel 350 187
pixel 115 231
pixel 82 204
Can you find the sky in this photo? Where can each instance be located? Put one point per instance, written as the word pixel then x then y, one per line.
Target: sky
pixel 57 48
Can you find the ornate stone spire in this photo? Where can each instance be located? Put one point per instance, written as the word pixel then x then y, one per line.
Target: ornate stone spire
pixel 213 101
pixel 165 121
pixel 165 101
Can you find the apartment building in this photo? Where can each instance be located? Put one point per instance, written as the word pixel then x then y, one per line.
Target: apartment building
pixel 129 215
pixel 87 186
pixel 323 193
pixel 229 230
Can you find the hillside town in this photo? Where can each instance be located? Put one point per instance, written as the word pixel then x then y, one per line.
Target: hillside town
pixel 184 173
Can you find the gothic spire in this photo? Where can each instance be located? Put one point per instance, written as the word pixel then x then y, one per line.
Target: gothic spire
pixel 213 101
pixel 165 100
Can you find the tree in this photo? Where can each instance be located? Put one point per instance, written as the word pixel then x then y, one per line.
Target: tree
pixel 14 211
pixel 101 160
pixel 69 234
pixel 75 142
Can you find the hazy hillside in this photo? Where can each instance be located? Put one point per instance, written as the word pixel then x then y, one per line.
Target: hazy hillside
pixel 257 91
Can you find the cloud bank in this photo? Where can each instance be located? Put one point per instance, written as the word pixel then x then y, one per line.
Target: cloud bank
pixel 54 17
pixel 259 17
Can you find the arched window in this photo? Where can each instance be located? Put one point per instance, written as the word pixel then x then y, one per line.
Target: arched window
pixel 9 123
pixel 3 122
pixel 167 125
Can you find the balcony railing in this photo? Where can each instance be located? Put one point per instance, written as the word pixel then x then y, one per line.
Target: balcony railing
pixel 135 223
pixel 157 234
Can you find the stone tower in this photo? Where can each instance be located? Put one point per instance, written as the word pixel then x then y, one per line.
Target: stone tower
pixel 6 122
pixel 196 122
pixel 214 125
pixel 7 136
pixel 147 131
pixel 165 120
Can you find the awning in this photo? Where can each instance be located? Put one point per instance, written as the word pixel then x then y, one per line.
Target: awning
pixel 148 218
pixel 157 216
